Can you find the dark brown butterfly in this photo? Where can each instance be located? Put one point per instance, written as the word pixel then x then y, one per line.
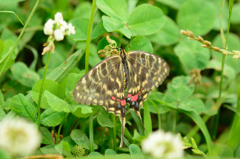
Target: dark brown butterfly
pixel 137 72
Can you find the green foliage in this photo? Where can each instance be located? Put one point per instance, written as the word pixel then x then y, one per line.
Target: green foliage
pixel 179 105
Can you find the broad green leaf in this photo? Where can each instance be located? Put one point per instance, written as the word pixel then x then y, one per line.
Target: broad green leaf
pixel 81 139
pixel 154 105
pixel 222 151
pixel 50 149
pixel 1 48
pixel 10 2
pixel 110 152
pixel 192 55
pixel 114 8
pixel 173 3
pixel 135 151
pixel 24 75
pixel 197 16
pixel 72 80
pixel 98 30
pixel 8 44
pixel 49 85
pixel 146 20
pixel 140 43
pixel 81 27
pixel 83 111
pixel 192 104
pixel 64 149
pixel 22 106
pixel 179 89
pixel 63 70
pixel 167 35
pixel 112 24
pixel 233 44
pixel 104 121
pixel 51 118
pixel 1 99
pixel 2 113
pixel 228 71
pixel 94 155
pixel 56 103
pixel 46 136
pixel 235 14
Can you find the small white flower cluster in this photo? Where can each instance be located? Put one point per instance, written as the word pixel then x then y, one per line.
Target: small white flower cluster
pixel 163 145
pixel 56 29
pixel 237 54
pixel 19 137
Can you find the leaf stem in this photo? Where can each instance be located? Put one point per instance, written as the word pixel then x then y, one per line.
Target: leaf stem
pixel 91 137
pixel 41 89
pixel 114 133
pixel 60 128
pixel 20 36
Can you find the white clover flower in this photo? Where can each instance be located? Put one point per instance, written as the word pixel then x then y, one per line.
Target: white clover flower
pixel 19 137
pixel 48 27
pixel 58 34
pixel 71 29
pixel 163 145
pixel 58 18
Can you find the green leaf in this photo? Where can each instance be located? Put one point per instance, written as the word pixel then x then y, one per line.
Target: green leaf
pixel 46 136
pixel 98 30
pixel 154 105
pixel 81 139
pixel 56 103
pixel 197 16
pixel 72 80
pixel 228 71
pixel 169 34
pixel 2 113
pixel 140 43
pixel 192 55
pixel 116 9
pixel 63 70
pixel 135 151
pixel 1 48
pixel 173 3
pixel 192 104
pixel 50 149
pixel 112 24
pixel 49 85
pixel 222 151
pixel 51 118
pixel 8 44
pixel 96 155
pixel 179 89
pixel 235 13
pixel 83 111
pixel 146 19
pixel 64 148
pixel 110 152
pixel 104 121
pixel 81 27
pixel 24 75
pixel 103 42
pixel 22 106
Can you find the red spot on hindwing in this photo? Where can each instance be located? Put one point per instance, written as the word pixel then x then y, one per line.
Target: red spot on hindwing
pixel 135 97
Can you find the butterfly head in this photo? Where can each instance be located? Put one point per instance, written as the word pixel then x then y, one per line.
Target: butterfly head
pixel 122 52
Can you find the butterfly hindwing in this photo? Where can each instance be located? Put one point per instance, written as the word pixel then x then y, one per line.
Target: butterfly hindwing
pixel 146 72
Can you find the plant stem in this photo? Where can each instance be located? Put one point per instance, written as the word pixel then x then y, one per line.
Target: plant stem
pixel 60 128
pixel 20 36
pixel 114 133
pixel 223 61
pixel 41 89
pixel 91 137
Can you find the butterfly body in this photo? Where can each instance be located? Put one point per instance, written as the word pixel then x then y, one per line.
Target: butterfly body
pixel 124 78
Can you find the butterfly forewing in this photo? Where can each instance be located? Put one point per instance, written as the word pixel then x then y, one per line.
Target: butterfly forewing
pixel 101 83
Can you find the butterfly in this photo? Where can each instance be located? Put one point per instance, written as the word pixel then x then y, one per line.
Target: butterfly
pixel 121 79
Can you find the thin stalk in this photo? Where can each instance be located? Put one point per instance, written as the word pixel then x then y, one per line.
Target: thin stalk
pixel 41 89
pixel 114 133
pixel 20 36
pixel 60 128
pixel 223 61
pixel 91 137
